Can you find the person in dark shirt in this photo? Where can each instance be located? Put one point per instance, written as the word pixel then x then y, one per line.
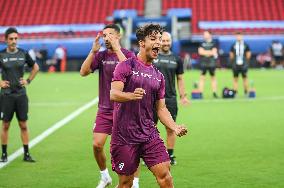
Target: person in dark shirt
pixel 277 54
pixel 42 58
pixel 13 90
pixel 208 55
pixel 137 87
pixel 240 55
pixel 171 66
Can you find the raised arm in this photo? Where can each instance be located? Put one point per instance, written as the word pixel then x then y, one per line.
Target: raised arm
pixel 167 120
pixel 116 48
pixel 86 66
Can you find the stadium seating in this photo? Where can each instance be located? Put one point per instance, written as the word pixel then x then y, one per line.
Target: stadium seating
pixel 50 12
pixel 223 10
pixel 62 11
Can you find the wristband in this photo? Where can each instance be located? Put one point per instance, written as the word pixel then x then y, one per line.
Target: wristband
pixel 29 81
pixel 182 96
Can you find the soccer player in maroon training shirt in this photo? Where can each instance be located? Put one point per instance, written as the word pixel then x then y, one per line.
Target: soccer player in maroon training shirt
pixel 138 89
pixel 105 61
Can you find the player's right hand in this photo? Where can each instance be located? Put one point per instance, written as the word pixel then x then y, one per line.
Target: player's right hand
pixel 181 130
pixel 96 44
pixel 138 93
pixel 4 84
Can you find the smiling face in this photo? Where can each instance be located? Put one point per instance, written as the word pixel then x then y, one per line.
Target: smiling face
pixel 151 45
pixel 12 41
pixel 166 42
pixel 109 32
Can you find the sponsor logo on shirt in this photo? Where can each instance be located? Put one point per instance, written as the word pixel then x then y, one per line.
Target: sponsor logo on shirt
pixel 13 59
pixel 164 61
pixel 5 60
pixel 145 75
pixel 110 62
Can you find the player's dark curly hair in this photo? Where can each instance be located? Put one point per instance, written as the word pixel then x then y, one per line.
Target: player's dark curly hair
pixel 146 30
pixel 9 31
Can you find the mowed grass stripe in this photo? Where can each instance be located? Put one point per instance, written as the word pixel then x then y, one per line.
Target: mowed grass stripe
pixel 51 130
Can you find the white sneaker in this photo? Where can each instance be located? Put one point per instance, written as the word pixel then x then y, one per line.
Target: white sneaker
pixel 135 186
pixel 104 182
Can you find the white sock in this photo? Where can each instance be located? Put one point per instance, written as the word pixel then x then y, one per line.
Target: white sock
pixel 105 174
pixel 136 182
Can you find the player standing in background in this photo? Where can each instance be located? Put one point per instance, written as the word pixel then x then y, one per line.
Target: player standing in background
pixel 277 54
pixel 171 66
pixel 240 55
pixel 105 61
pixel 13 97
pixel 208 52
pixel 137 88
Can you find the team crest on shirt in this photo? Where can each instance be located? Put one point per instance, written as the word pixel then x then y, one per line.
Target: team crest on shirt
pixel 155 60
pixel 5 60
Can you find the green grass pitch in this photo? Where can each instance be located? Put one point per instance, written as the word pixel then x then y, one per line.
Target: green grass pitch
pixel 232 143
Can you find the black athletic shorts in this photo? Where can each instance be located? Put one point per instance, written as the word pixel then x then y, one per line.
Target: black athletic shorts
pixel 14 103
pixel 240 70
pixel 278 59
pixel 172 106
pixel 211 70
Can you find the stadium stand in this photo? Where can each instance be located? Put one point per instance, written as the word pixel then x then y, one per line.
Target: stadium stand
pixel 50 12
pixel 51 22
pixel 208 12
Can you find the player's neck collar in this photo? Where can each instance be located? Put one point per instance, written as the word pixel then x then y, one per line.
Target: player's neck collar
pixel 9 52
pixel 141 61
pixel 167 53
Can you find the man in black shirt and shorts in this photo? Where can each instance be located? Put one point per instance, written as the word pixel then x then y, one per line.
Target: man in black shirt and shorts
pixel 208 55
pixel 240 55
pixel 13 91
pixel 171 67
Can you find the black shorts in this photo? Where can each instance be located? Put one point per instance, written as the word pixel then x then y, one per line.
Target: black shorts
pixel 211 70
pixel 14 103
pixel 240 70
pixel 278 59
pixel 172 106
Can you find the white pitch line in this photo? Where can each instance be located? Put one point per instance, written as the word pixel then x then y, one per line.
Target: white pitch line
pixel 51 130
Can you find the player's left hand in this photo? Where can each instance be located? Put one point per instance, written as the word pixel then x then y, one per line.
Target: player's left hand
pixel 184 101
pixel 23 82
pixel 180 130
pixel 114 42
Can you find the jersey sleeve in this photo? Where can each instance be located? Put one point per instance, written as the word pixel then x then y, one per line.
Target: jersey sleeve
pixel 129 54
pixel 161 91
pixel 30 62
pixel 215 45
pixel 179 66
pixel 96 61
pixel 122 71
pixel 247 49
